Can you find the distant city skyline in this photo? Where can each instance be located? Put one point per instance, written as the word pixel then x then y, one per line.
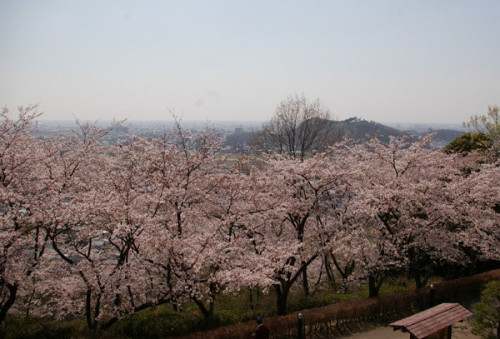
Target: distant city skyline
pixel 221 60
pixel 233 125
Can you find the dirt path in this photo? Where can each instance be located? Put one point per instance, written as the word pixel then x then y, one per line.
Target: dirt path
pixel 460 331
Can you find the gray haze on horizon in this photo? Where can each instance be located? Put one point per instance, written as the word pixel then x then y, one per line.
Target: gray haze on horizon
pixel 386 61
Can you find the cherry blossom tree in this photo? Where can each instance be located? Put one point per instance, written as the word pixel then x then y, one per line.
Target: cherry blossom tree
pixel 477 213
pixel 22 242
pixel 408 198
pixel 195 236
pixel 67 205
pixel 308 197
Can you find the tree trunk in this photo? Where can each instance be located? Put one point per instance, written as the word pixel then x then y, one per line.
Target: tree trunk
pixel 374 285
pixel 9 302
pixel 250 299
pixel 281 298
pixel 305 283
pixel 419 280
pixel 329 271
pixel 208 314
pixel 91 315
pixel 344 272
pixel 88 308
pixel 211 318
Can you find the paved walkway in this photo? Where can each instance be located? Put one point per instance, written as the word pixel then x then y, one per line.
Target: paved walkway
pixel 460 331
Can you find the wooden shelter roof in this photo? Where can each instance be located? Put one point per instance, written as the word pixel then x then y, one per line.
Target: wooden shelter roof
pixel 432 320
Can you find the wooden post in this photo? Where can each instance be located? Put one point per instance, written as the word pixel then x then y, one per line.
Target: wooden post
pixel 300 326
pixel 432 296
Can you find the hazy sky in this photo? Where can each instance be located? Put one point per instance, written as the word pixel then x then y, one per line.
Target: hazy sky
pixel 407 61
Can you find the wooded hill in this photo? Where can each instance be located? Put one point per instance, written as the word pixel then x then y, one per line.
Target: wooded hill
pixel 359 130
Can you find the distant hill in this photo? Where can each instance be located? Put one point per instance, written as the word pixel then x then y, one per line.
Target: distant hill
pixel 361 130
pixel 358 130
pixel 443 137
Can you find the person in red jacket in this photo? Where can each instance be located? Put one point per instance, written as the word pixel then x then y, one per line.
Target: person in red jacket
pixel 262 331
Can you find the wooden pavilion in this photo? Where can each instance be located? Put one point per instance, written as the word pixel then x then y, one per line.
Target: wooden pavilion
pixel 433 323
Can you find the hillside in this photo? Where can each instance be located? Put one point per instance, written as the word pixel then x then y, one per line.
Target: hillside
pixel 361 130
pixel 358 130
pixel 444 136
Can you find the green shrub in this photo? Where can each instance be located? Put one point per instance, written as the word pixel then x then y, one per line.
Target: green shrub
pixel 25 328
pixel 469 142
pixel 159 322
pixel 487 312
pixel 336 298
